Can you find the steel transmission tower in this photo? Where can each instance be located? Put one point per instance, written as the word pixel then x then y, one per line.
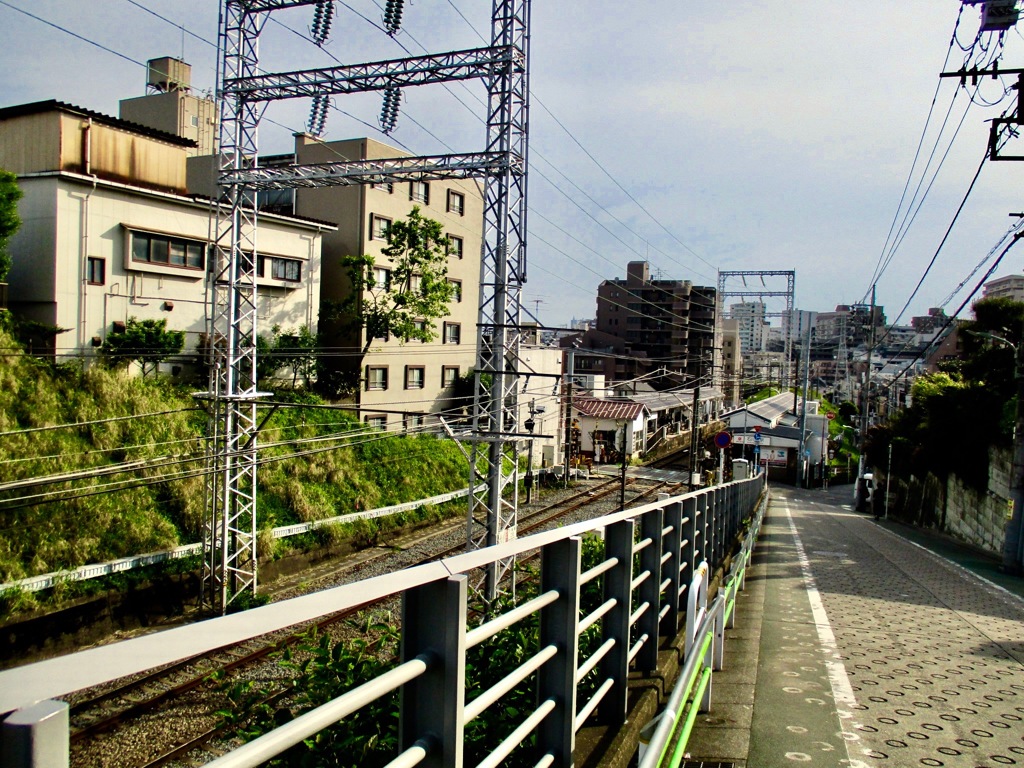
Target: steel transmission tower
pixel 762 293
pixel 244 93
pixel 229 540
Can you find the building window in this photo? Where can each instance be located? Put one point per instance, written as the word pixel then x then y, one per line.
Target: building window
pixel 170 251
pixel 381 278
pixel 280 269
pixel 414 377
pixel 415 283
pixel 384 186
pixel 420 192
pixel 456 203
pixel 96 271
pixel 455 246
pixel 452 333
pixel 377 377
pixel 379 227
pixel 415 421
pixel 449 375
pixel 457 292
pixel 420 326
pixel 377 422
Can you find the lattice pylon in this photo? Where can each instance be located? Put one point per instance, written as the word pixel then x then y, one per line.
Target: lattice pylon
pixel 493 513
pixel 230 527
pixel 504 66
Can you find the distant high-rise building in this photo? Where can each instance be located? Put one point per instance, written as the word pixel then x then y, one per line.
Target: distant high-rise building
pixel 670 322
pixel 798 321
pixel 935 319
pixel 753 325
pixel 732 362
pixel 1009 287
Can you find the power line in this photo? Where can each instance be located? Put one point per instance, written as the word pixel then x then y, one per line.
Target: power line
pixel 73 34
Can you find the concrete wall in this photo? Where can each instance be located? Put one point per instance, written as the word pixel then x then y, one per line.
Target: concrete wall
pixel 975 517
pixel 980 518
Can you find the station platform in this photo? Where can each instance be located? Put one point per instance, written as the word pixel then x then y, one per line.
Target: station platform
pixel 866 643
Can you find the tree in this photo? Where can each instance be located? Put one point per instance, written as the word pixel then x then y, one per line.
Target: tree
pixel 287 349
pixel 10 194
pixel 146 341
pixel 401 297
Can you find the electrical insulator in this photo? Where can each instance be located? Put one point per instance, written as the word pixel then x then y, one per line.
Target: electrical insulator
pixel 389 110
pixel 323 15
pixel 393 16
pixel 318 114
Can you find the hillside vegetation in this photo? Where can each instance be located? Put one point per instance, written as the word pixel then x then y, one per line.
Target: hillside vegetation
pixel 68 425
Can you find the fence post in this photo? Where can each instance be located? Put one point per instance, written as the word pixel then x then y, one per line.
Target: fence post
pixel 689 544
pixel 722 510
pixel 37 737
pixel 651 525
pixel 618 543
pixel 704 545
pixel 434 618
pixel 559 626
pixel 673 545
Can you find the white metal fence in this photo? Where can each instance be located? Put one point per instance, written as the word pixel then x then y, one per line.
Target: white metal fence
pixel 654 576
pixel 98 570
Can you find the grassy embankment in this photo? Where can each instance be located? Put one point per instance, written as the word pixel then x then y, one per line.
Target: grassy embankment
pixel 62 525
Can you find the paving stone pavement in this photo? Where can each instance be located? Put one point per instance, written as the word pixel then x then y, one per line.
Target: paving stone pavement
pixel 856 647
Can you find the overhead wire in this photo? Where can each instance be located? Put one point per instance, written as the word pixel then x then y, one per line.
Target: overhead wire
pixel 84 39
pixel 891 245
pixel 294 31
pixel 939 334
pixel 434 136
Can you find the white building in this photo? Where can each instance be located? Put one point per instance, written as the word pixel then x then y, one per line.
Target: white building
pixel 1009 287
pixel 753 326
pixel 110 232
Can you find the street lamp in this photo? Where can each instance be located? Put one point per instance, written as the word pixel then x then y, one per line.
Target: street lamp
pixel 1013 544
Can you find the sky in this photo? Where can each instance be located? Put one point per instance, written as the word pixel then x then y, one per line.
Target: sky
pixel 699 136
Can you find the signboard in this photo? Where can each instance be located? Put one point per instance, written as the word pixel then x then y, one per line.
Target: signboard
pixel 774 456
pixel 756 439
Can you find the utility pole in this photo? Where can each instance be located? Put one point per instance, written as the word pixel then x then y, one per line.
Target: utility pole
pixel 803 411
pixel 695 438
pixel 622 489
pixel 866 391
pixel 570 363
pixel 529 425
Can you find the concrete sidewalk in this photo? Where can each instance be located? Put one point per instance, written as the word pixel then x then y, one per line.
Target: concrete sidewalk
pixel 855 646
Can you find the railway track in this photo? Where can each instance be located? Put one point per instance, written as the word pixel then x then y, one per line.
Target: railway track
pixel 134 702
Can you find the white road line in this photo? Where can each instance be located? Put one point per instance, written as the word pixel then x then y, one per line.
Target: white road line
pixel 842 691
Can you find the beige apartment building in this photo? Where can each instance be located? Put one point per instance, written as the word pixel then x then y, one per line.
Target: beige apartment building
pixel 110 231
pixel 398 383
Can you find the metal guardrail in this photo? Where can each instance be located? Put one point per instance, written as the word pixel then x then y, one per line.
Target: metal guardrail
pixel 654 573
pixel 692 692
pixel 98 570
